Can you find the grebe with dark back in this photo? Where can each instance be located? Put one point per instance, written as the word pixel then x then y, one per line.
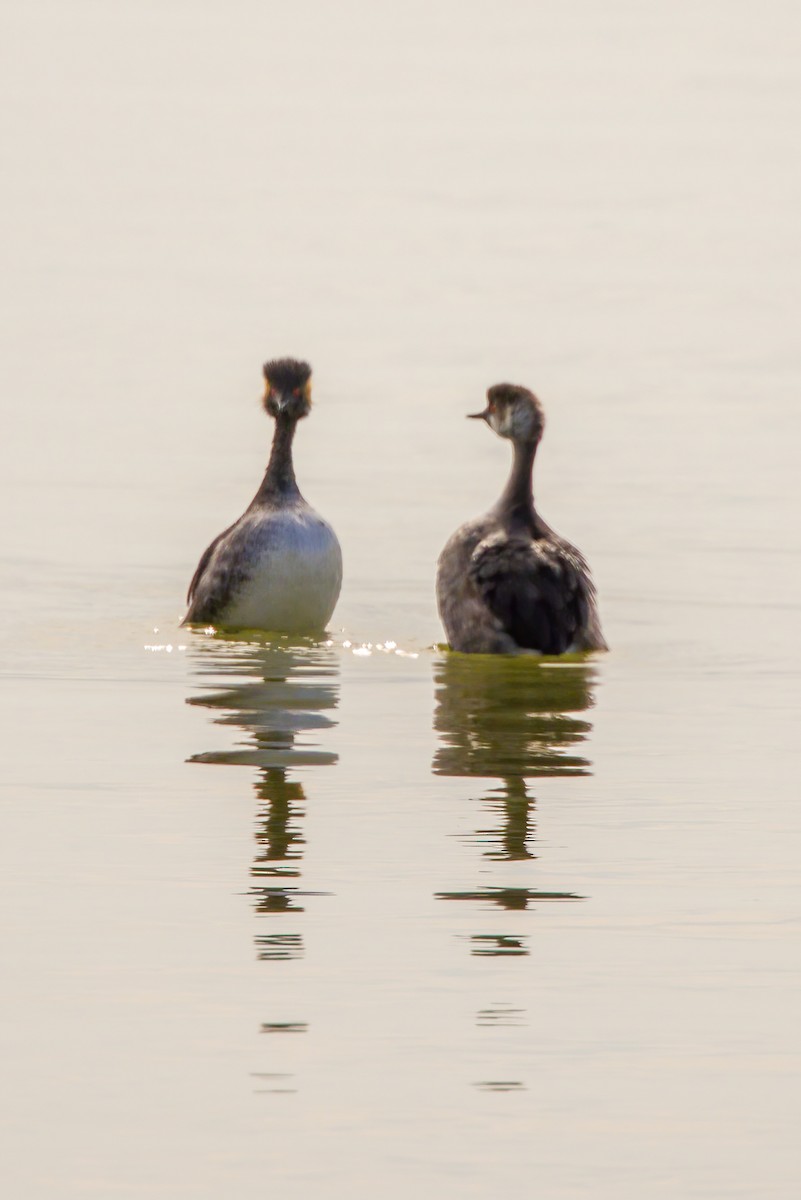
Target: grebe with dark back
pixel 506 583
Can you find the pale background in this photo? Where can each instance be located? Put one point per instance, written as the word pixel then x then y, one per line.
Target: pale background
pixel 600 201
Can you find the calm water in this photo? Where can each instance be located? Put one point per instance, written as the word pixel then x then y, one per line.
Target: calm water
pixel 359 918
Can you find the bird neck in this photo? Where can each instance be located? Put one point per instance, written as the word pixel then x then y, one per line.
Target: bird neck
pixel 279 478
pixel 517 499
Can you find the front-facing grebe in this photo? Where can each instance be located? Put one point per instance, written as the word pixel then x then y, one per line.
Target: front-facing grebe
pixel 506 583
pixel 279 567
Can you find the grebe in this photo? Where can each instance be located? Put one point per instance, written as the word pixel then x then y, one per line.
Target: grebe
pixel 506 583
pixel 279 567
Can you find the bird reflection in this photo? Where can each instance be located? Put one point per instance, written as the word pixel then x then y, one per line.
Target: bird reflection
pixel 277 693
pixel 512 719
pixel 280 833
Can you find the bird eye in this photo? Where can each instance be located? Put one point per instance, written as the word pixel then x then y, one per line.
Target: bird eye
pixel 296 392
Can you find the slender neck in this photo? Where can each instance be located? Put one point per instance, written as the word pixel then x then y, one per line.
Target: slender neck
pixel 517 498
pixel 279 478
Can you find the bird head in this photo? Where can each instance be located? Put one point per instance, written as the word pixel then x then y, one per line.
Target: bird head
pixel 513 412
pixel 287 388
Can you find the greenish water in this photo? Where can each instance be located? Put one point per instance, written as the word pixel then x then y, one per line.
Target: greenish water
pixel 358 917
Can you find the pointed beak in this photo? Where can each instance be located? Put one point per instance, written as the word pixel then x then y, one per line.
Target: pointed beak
pixel 278 399
pixel 482 416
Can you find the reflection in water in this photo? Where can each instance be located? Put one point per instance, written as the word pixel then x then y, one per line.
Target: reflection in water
pixel 511 898
pixel 280 837
pixel 496 945
pixel 500 1015
pixel 275 1080
pixel 279 695
pixel 279 946
pixel 513 719
pixel 501 1085
pixel 512 804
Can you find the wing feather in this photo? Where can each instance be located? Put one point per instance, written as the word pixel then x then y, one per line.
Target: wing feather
pixel 540 590
pixel 205 559
pixel 207 596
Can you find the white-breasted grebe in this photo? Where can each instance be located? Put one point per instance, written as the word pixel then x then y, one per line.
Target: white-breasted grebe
pixel 506 583
pixel 279 567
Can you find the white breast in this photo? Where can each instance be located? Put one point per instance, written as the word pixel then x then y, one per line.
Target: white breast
pixel 294 577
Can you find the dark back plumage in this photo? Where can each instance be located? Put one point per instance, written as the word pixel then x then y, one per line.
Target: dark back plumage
pixel 539 590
